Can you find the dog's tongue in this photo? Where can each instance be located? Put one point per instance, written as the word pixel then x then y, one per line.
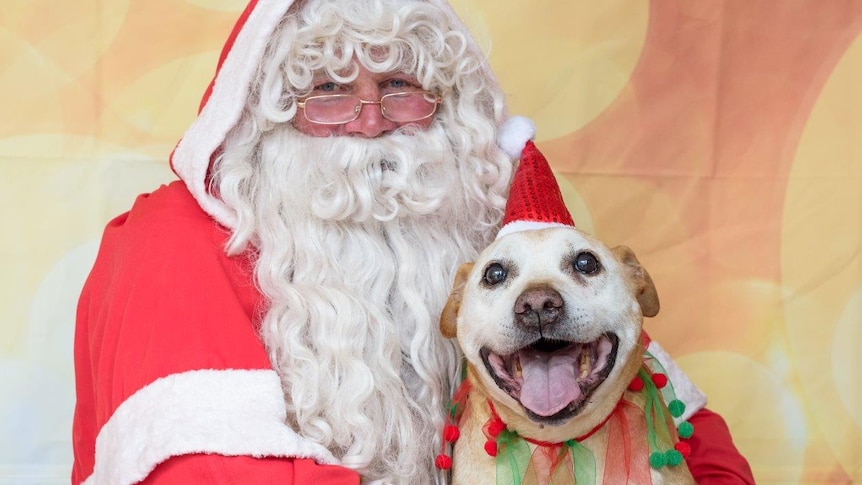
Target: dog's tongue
pixel 550 383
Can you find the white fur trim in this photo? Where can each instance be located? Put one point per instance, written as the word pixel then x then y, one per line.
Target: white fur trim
pixel 191 158
pixel 225 412
pixel 518 226
pixel 513 135
pixel 685 390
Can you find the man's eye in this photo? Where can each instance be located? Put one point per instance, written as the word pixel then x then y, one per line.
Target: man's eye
pixel 398 84
pixel 326 87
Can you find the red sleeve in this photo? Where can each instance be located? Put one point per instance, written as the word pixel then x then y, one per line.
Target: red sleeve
pixel 714 459
pixel 222 470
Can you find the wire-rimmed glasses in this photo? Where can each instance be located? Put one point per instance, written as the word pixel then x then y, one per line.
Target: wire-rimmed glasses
pixel 336 109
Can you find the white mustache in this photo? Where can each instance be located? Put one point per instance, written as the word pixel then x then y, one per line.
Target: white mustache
pixel 346 178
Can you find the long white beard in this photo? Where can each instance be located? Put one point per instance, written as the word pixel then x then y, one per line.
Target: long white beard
pixel 358 243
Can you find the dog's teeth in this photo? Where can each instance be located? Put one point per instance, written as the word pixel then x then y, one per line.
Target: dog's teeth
pixel 584 365
pixel 518 371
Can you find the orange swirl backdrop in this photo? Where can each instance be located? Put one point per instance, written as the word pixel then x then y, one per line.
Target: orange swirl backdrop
pixel 722 140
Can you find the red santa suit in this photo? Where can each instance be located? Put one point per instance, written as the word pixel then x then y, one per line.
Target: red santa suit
pixel 174 385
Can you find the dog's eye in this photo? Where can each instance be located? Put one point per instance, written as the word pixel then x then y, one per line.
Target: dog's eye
pixel 494 274
pixel 586 263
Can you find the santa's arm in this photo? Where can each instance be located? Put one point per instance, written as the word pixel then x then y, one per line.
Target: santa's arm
pixel 169 364
pixel 714 459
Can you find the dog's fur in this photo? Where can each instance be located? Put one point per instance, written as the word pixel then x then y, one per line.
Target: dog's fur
pixel 547 288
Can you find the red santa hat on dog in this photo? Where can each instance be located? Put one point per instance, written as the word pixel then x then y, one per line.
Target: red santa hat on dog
pixel 535 201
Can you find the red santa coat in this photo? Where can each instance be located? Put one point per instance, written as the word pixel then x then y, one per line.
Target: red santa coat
pixel 173 383
pixel 168 358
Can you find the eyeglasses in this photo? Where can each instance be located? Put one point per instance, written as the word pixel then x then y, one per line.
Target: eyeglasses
pixel 336 109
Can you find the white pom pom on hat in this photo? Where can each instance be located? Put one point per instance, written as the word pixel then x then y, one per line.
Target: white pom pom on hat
pixel 514 134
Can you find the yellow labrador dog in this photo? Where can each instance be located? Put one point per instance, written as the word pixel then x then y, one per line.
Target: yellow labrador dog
pixel 550 323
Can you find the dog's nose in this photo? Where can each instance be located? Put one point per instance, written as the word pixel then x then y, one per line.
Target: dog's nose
pixel 538 307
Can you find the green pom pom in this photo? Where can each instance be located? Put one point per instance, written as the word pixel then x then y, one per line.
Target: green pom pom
pixel 685 430
pixel 673 457
pixel 676 408
pixel 657 459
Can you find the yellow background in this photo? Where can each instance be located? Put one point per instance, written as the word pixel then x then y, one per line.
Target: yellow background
pixel 720 139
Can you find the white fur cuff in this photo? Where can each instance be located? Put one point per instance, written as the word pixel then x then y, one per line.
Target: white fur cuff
pixel 226 412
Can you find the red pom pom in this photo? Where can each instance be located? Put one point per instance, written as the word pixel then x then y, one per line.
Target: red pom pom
pixel 443 462
pixel 451 433
pixel 496 427
pixel 491 448
pixel 660 380
pixel 636 385
pixel 683 448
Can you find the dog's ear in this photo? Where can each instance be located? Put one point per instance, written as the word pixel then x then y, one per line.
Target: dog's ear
pixel 449 316
pixel 640 281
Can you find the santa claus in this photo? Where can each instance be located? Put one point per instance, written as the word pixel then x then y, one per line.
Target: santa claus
pixel 272 317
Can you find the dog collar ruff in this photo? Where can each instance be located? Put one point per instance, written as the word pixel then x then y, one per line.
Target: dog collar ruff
pixel 570 461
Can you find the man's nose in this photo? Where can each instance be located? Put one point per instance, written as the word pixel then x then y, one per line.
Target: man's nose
pixel 370 123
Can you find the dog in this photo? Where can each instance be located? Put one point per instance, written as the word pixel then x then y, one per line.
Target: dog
pixel 549 322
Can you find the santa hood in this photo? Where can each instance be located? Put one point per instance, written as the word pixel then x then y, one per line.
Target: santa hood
pixel 226 96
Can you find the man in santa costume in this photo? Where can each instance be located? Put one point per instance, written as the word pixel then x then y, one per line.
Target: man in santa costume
pixel 272 316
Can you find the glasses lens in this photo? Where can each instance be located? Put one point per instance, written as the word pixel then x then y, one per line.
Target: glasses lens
pixel 406 107
pixel 336 108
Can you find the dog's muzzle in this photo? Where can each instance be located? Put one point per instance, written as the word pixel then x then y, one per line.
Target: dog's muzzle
pixel 552 379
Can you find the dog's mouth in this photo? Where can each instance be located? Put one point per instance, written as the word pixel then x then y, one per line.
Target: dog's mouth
pixel 552 379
